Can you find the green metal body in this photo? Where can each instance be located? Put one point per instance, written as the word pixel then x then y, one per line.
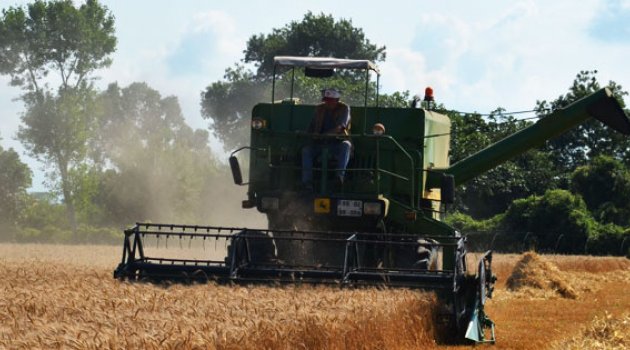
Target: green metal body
pixel 391 167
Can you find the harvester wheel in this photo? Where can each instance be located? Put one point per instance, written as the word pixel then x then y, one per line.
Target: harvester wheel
pixel 455 311
pixel 463 305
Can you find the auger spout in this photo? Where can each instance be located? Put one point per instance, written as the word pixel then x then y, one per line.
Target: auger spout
pixel 600 105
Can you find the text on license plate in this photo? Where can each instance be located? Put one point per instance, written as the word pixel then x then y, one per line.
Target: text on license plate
pixel 349 208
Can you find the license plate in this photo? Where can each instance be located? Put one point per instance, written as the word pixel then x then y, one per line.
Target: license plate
pixel 349 208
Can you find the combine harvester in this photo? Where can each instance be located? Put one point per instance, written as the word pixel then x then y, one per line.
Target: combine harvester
pixel 382 226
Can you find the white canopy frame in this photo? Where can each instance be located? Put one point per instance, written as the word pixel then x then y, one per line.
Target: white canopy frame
pixel 326 63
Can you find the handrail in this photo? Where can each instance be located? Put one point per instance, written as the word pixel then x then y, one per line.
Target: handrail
pixel 410 179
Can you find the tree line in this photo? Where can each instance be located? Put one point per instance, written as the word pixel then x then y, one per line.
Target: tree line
pixel 111 156
pixel 122 154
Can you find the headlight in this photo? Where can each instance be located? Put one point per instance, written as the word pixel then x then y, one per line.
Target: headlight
pixel 258 123
pixel 372 208
pixel 378 129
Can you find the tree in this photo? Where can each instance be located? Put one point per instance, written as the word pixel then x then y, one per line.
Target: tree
pixel 317 36
pixel 55 36
pixel 558 220
pixel 15 178
pixel 605 186
pixel 159 167
pixel 229 102
pixel 72 42
pixel 56 130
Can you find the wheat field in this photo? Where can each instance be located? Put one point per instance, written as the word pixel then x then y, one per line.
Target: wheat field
pixel 60 297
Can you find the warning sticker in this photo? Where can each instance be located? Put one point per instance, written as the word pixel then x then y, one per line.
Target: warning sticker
pixel 322 205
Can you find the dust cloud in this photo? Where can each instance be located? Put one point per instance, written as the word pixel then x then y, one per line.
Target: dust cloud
pixel 225 206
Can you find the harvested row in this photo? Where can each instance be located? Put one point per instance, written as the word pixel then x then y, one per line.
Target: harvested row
pixel 604 332
pixel 532 271
pixel 547 277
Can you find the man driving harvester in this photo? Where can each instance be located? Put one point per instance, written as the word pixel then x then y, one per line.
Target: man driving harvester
pixel 332 117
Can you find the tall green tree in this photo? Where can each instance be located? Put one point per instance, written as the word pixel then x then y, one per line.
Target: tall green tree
pixel 58 38
pixel 55 130
pixel 15 178
pixel 69 43
pixel 317 36
pixel 228 103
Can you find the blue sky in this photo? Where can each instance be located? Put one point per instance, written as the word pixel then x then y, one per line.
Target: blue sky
pixel 476 55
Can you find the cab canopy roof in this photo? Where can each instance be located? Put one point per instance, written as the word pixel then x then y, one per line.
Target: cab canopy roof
pixel 324 63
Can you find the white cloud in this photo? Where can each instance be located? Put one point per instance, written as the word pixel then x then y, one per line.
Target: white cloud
pixel 406 69
pixel 211 34
pixel 516 54
pixel 402 69
pixel 223 26
pixel 214 20
pixel 229 44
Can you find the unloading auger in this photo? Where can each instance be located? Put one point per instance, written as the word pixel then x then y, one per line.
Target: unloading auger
pixel 382 226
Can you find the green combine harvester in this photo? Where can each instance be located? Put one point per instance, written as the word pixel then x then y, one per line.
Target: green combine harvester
pixel 380 227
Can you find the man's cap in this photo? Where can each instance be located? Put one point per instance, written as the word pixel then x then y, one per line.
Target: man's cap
pixel 331 93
